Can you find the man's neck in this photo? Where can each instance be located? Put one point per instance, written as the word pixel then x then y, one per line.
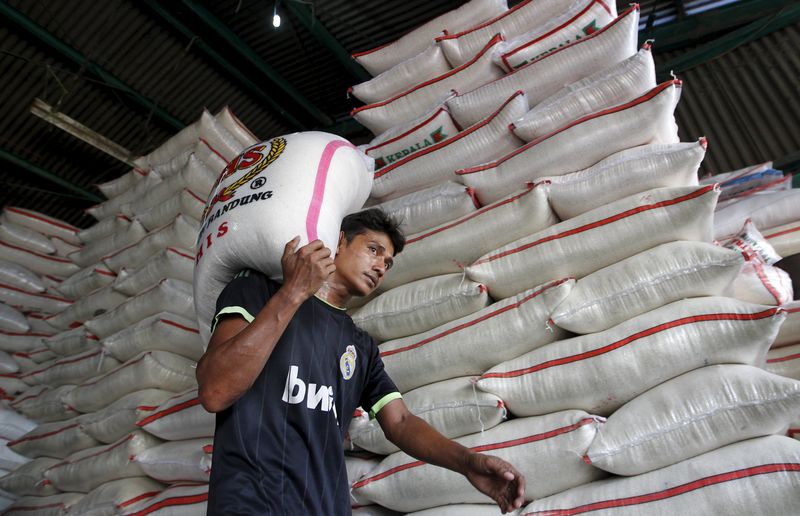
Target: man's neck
pixel 334 294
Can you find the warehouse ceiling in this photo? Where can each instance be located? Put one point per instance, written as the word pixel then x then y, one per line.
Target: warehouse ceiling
pixel 135 72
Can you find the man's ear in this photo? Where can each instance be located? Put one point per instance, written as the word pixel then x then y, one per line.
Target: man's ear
pixel 342 241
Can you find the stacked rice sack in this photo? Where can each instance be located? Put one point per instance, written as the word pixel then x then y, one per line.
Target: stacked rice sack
pixel 110 380
pixel 577 319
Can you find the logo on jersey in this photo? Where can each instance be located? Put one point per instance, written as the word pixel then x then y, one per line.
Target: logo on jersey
pixel 347 363
pixel 315 396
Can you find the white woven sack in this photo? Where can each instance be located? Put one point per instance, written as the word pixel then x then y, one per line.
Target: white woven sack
pixel 235 126
pixel 176 500
pixel 110 498
pixel 152 369
pixel 756 476
pixel 163 331
pixel 784 361
pixel 11 386
pixel 40 355
pixel 12 320
pixel 460 47
pixel 58 439
pixel 697 412
pixel 168 295
pixel 38 322
pixel 86 280
pixel 581 245
pixel 182 233
pixel 37 262
pixel 750 182
pixel 645 281
pixel 28 479
pixel 602 371
pixel 733 175
pixel 218 137
pixel 790 329
pixel 71 342
pixel 645 120
pixel 41 223
pixel 26 238
pixel 169 263
pixel 420 305
pixel 72 369
pixel 759 281
pixel 180 417
pixel 24 362
pixel 357 468
pixel 62 247
pixel 119 419
pixel 10 460
pixel 7 364
pixel 453 407
pixel 625 173
pixel 414 70
pixel 18 276
pixel 85 308
pixel 174 146
pixel 403 140
pixel 618 84
pixel 615 42
pixel 463 509
pixel 380 116
pixel 459 348
pixel 546 450
pixel 93 251
pixel 185 201
pixel 431 207
pixel 45 404
pixel 582 18
pixel 380 59
pixel 484 141
pixel 766 210
pixel 104 228
pixel 177 461
pixel 112 207
pixel 25 300
pixel 53 505
pixel 14 425
pixel 88 469
pixel 117 186
pixel 782 184
pixel 21 342
pixel 310 182
pixel 784 239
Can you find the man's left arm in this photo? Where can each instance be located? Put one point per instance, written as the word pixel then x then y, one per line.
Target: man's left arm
pixel 491 475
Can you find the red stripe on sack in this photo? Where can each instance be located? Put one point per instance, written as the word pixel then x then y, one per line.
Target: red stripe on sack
pixel 42 436
pixel 182 327
pixel 785 179
pixel 208 448
pixel 62 362
pixel 471 193
pixel 603 222
pixel 444 143
pixel 783 359
pixel 632 338
pixel 43 219
pixel 172 502
pixel 194 195
pixel 106 273
pixel 486 23
pixel 138 498
pixel 240 124
pixel 215 151
pixel 616 109
pixel 492 42
pixel 101 452
pixel 421 124
pixel 474 321
pixel 32 396
pixel 673 491
pixel 784 232
pixel 486 447
pixel 173 250
pixel 115 370
pixel 30 334
pixel 365 52
pixel 166 412
pixel 38 255
pixel 471 216
pixel 147 408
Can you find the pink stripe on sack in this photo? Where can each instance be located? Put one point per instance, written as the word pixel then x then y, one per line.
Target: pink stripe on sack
pixel 319 186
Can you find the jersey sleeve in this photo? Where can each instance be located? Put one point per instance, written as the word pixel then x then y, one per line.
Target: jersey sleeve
pixel 245 295
pixel 379 389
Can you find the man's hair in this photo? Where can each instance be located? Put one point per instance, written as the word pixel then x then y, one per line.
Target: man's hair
pixel 374 219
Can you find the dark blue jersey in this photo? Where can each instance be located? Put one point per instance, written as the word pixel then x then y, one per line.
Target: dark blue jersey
pixel 278 448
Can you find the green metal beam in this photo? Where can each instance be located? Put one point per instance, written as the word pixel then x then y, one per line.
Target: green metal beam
pixel 48 38
pixel 30 167
pixel 251 55
pixel 303 13
pixel 230 68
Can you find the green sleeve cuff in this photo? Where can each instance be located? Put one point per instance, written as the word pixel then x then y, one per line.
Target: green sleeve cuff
pixel 232 310
pixel 383 402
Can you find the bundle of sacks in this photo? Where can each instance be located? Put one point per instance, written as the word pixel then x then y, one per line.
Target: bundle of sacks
pixel 565 300
pixel 102 366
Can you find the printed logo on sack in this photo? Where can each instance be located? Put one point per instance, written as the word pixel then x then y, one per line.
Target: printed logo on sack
pixel 347 363
pixel 434 137
pixel 587 30
pixel 315 397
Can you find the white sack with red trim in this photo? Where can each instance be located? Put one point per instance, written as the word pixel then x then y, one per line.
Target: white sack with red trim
pixel 16 275
pixel 12 320
pixel 26 238
pixel 610 87
pixel 785 239
pixel 645 281
pixel 53 505
pixel 614 43
pixel 88 469
pixel 625 173
pixel 756 476
pixel 697 412
pixel 181 233
pixel 380 59
pixel 104 228
pixel 759 281
pixel 119 419
pixel 430 207
pixel 37 262
pixel 765 210
pixel 163 331
pixel 453 407
pixel 177 461
pixel 28 479
pixel 21 342
pixel 152 369
pixel 14 425
pixel 790 330
pixel 645 120
pixel 417 100
pixel 11 386
pixel 118 185
pixel 608 234
pixel 404 140
pixel 38 322
pixel 26 300
pixel 756 178
pixel 582 18
pixel 449 247
pixel 176 145
pixel 420 305
pixel 357 468
pixel 92 252
pixel 482 142
pixel 71 342
pixel 112 207
pixel 58 439
pixel 778 185
pixel 730 177
pixel 85 308
pixel 171 262
pixel 168 295
pixel 180 417
pixel 414 70
pixel 7 364
pixel 72 369
pixel 177 500
pixel 41 223
pixel 63 249
pixel 45 404
pixel 236 127
pixel 784 361
pixel 546 450
pixel 218 137
pixel 516 325
pixel 463 509
pixel 602 371
pixel 86 281
pixel 111 497
pixel 185 201
pixel 301 184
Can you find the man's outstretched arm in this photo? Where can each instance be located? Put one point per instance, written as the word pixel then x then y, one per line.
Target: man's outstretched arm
pixel 491 475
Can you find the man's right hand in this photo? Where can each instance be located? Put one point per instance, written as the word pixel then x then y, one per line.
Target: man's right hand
pixel 305 270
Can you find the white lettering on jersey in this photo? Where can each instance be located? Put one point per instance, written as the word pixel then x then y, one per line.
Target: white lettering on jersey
pixel 318 396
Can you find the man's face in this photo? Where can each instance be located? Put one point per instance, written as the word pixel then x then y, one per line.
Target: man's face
pixel 362 262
